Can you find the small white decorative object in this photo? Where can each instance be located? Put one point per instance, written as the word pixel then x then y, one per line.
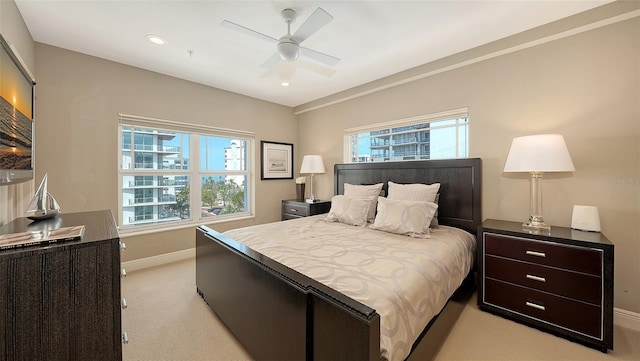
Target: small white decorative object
pixel 585 218
pixel 42 205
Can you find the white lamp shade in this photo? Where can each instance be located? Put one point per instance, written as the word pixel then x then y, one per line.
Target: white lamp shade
pixel 312 164
pixel 539 153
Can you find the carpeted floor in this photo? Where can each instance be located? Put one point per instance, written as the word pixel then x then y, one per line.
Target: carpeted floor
pixel 166 320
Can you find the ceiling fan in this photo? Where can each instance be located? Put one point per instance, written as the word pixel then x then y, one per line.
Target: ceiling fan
pixel 288 46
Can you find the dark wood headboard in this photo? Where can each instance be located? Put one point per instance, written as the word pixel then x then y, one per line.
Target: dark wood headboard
pixel 460 184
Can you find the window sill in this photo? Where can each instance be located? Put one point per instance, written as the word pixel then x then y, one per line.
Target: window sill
pixel 133 232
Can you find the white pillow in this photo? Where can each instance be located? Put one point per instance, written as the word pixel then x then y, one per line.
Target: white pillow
pixel 434 220
pixel 413 192
pixel 349 210
pixel 362 191
pixel 410 218
pixel 416 192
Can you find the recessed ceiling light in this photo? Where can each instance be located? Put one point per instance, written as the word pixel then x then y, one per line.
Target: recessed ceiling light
pixel 156 39
pixel 285 84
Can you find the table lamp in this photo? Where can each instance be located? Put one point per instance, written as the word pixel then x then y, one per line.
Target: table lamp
pixel 538 154
pixel 312 164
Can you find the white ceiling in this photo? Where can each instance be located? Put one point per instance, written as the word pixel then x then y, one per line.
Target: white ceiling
pixel 373 39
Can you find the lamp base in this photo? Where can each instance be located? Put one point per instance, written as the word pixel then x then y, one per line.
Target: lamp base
pixel 536 226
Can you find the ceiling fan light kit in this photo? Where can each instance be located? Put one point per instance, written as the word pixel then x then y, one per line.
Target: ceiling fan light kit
pixel 288 49
pixel 288 46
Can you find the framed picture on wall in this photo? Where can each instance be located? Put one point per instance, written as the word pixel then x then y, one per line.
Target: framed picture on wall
pixel 16 117
pixel 276 161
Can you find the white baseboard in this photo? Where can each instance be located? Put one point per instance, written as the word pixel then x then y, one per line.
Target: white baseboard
pixel 621 317
pixel 626 319
pixel 148 262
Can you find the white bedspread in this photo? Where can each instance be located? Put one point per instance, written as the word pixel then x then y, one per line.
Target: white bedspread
pixel 406 280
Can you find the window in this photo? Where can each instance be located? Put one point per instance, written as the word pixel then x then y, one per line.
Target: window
pixel 435 136
pixel 173 173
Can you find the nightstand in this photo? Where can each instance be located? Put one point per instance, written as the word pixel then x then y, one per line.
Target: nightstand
pixel 292 208
pixel 560 281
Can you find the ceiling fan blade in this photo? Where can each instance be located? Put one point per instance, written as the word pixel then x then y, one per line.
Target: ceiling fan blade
pixel 317 20
pixel 318 56
pixel 273 60
pixel 242 29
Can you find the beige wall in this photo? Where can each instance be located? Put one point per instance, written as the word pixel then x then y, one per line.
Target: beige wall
pixel 585 87
pixel 79 98
pixel 14 198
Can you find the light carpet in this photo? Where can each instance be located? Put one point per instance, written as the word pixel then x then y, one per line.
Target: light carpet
pixel 166 320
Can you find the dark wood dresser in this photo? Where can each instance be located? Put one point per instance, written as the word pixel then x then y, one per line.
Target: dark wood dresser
pixel 292 209
pixel 559 281
pixel 62 301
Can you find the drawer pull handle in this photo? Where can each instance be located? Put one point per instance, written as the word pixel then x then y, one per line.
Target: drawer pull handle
pixel 123 304
pixel 536 278
pixel 125 338
pixel 123 246
pixel 537 254
pixel 123 273
pixel 535 305
pixel 293 210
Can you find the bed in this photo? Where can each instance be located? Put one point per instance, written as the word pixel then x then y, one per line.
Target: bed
pixel 279 313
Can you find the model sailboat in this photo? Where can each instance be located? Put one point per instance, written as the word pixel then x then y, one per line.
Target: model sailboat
pixel 42 205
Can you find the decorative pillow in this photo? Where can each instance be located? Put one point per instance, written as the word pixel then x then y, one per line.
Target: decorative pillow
pixel 410 218
pixel 413 192
pixel 349 210
pixel 367 191
pixel 416 192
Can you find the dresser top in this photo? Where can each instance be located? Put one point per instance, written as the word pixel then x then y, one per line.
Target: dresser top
pixel 99 226
pixel 515 228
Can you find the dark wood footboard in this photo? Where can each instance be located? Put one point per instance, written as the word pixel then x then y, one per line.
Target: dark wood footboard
pixel 278 313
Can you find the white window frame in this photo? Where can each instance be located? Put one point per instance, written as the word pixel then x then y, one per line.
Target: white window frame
pixel 421 119
pixel 195 173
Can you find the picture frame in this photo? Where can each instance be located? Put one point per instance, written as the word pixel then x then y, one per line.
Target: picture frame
pixel 276 160
pixel 17 101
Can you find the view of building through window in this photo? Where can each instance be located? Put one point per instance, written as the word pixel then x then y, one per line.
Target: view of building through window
pixel 421 139
pixel 222 194
pixel 169 176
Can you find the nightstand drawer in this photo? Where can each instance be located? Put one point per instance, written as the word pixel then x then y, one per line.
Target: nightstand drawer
pixel 579 286
pixel 545 253
pixel 295 209
pixel 288 216
pixel 577 316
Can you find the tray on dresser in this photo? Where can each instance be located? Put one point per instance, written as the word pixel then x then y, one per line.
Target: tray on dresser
pixel 41 237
